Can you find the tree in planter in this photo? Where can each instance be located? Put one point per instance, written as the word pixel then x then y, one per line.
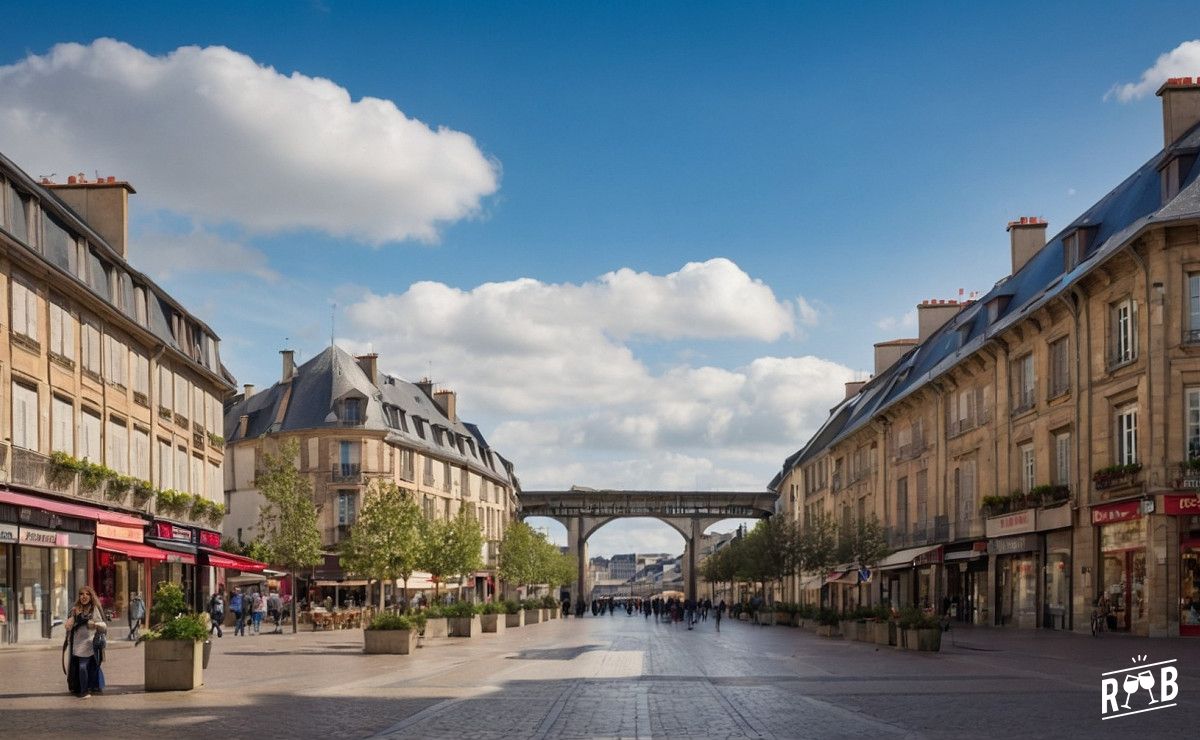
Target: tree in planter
pixel 865 544
pixel 519 554
pixel 816 544
pixel 288 517
pixel 452 547
pixel 386 540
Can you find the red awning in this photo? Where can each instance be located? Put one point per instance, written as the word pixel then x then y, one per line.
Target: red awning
pixel 221 559
pixel 80 511
pixel 132 549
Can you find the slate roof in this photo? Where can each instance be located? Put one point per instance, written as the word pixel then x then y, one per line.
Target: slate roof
pixel 1118 218
pixel 402 410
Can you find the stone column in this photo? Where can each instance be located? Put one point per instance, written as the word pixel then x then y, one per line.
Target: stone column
pixel 696 530
pixel 577 544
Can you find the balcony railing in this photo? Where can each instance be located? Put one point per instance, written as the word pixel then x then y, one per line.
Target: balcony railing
pixel 1118 476
pixel 347 473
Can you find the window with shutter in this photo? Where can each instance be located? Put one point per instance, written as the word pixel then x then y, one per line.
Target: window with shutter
pixel 25 417
pixel 89 436
pixel 117 446
pixel 166 462
pixel 62 426
pixel 182 480
pixel 24 310
pixel 1062 459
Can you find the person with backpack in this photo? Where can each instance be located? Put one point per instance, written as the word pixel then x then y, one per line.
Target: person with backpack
pixel 236 605
pixel 84 646
pixel 216 610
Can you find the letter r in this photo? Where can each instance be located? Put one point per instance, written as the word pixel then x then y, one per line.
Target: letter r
pixel 1169 684
pixel 1108 695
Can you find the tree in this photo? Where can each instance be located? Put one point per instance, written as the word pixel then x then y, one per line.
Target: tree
pixel 453 547
pixel 817 543
pixel 288 518
pixel 385 542
pixel 865 543
pixel 519 554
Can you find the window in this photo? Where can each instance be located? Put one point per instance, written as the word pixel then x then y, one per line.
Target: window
pixel 1124 327
pixel 922 497
pixel 1062 459
pixel 165 465
pixel 18 215
pixel 182 395
pixel 1193 423
pixel 1024 383
pixel 117 452
pixel 1126 435
pixel 141 375
pixel 349 458
pixel 139 305
pixel 214 481
pixel 964 489
pixel 24 310
pixel 115 359
pixel 89 436
pixel 197 475
pixel 347 512
pixel 181 468
pixel 140 464
pixel 427 478
pixel 62 426
pixel 62 331
pixel 1060 378
pixel 166 384
pixel 197 406
pixel 24 417
pixel 352 411
pixel 90 348
pixel 427 507
pixel 1193 308
pixel 902 504
pixel 446 476
pixel 406 465
pixel 1028 468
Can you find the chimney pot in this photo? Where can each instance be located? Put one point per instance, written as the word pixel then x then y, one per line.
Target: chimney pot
pixel 105 209
pixel 1180 106
pixel 1026 236
pixel 369 363
pixel 71 180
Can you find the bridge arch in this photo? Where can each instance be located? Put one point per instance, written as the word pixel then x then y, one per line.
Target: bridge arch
pixel 584 510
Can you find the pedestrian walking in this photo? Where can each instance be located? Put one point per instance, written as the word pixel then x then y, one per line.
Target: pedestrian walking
pixel 216 610
pixel 689 612
pixel 720 611
pixel 83 648
pixel 237 603
pixel 137 612
pixel 275 611
pixel 258 607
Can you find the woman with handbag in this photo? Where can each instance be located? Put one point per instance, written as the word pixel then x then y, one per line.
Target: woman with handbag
pixel 84 646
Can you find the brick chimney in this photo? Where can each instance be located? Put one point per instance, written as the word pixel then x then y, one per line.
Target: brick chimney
pixel 1181 107
pixel 247 390
pixel 854 386
pixel 103 203
pixel 289 364
pixel 932 314
pixel 369 364
pixel 426 386
pixel 1027 236
pixel 886 353
pixel 447 401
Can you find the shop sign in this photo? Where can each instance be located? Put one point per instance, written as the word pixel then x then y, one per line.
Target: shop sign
pixel 210 539
pixel 1015 523
pixel 8 533
pixel 1010 545
pixel 1188 505
pixel 1112 513
pixel 929 558
pixel 173 532
pixel 46 538
pixel 117 532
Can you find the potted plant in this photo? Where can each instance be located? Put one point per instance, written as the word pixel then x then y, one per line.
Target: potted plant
pixel 533 611
pixel 143 491
pixel 783 614
pixel 118 488
pixel 63 469
pixel 392 634
pixel 492 617
pixel 550 607
pixel 883 629
pixel 464 619
pixel 827 623
pixel 175 644
pixel 436 623
pixel 920 631
pixel 514 615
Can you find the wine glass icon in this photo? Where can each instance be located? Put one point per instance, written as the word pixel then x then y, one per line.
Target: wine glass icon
pixel 1146 680
pixel 1130 684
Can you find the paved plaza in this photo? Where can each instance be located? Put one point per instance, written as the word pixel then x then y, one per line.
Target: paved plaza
pixel 612 676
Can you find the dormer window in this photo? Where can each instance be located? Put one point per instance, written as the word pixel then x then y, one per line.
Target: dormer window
pixel 352 411
pixel 1076 245
pixel 1172 174
pixel 996 306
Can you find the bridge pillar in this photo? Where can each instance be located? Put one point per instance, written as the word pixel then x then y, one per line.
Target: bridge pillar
pixel 577 546
pixel 696 530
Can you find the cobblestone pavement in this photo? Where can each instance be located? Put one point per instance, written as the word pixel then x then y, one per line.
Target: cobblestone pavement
pixel 612 676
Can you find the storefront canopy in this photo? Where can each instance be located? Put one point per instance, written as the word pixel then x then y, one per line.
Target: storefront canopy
pixel 221 559
pixel 79 511
pixel 132 549
pixel 911 557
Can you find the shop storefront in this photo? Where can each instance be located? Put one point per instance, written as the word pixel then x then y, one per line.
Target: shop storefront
pixel 1016 579
pixel 179 564
pixel 1186 509
pixel 1122 573
pixel 120 567
pixel 911 578
pixel 966 568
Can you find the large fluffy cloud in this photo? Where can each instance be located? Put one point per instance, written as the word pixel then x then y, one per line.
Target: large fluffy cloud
pixel 575 392
pixel 211 133
pixel 1182 61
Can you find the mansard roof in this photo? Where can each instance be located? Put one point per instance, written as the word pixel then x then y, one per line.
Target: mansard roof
pixel 1118 218
pixel 406 415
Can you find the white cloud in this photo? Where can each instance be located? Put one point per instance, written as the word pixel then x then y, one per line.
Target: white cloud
pixel 894 323
pixel 211 133
pixel 806 313
pixel 1182 61
pixel 164 255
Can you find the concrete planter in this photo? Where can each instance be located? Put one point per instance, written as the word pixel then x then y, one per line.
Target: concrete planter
pixel 465 626
pixel 783 619
pixel 437 627
pixel 884 633
pixel 174 665
pixel 552 613
pixel 849 629
pixel 389 642
pixel 533 616
pixel 926 640
pixel 493 622
pixel 514 620
pixel 827 630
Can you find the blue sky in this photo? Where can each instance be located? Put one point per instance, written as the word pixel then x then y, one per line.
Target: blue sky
pixel 520 223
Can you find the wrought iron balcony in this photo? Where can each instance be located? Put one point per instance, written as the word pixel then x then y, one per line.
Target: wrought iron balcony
pixel 347 473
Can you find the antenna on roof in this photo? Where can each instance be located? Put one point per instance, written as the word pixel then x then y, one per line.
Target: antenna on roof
pixel 332 322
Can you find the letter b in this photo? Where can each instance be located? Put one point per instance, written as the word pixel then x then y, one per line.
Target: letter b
pixel 1168 683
